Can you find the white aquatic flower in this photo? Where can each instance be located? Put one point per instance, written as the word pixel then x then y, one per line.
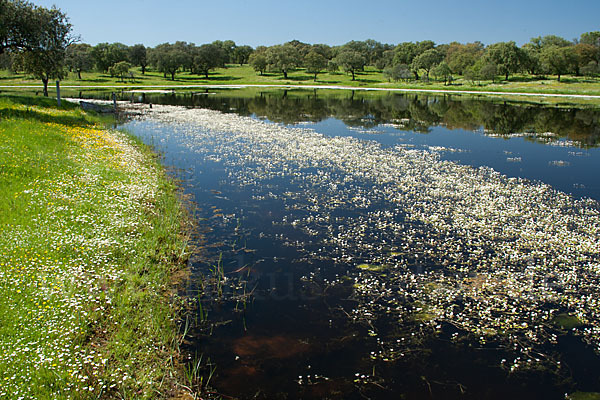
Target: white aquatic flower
pixel 503 246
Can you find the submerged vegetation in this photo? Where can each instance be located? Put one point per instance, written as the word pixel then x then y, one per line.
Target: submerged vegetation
pixel 426 248
pixel 89 243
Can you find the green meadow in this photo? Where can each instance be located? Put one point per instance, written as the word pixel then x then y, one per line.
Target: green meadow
pixel 90 241
pixel 369 78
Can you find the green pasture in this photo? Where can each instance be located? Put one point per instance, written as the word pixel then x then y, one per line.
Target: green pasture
pixel 89 244
pixel 370 78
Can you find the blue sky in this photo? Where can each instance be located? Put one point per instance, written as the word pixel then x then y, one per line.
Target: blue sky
pixel 268 22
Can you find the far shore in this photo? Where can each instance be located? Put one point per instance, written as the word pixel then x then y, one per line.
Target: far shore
pixel 329 87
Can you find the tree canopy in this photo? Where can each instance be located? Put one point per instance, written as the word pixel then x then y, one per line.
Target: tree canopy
pixel 44 55
pixel 258 60
pixel 351 61
pixel 426 61
pixel 138 55
pixel 506 56
pixel 23 25
pixel 315 63
pixel 108 54
pixel 282 58
pixel 168 58
pixel 79 58
pixel 37 40
pixel 397 72
pixel 558 60
pixel 460 56
pixel 241 54
pixel 208 57
pixel 120 69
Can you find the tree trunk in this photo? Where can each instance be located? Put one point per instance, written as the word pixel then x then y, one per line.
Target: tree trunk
pixel 79 74
pixel 352 74
pixel 172 76
pixel 45 81
pixel 315 77
pixel 206 74
pixel 559 76
pixel 143 69
pixel 416 75
pixel 506 77
pixel 284 74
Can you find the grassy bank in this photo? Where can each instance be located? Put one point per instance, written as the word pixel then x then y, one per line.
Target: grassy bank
pixel 89 243
pixel 370 78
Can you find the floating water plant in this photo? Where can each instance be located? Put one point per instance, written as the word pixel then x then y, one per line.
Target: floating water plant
pixel 566 321
pixel 372 267
pixel 583 396
pixel 495 258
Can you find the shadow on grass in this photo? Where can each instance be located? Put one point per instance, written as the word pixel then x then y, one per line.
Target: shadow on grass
pixel 527 78
pixel 45 118
pixel 201 79
pixel 222 78
pixel 299 78
pixel 328 82
pixel 367 80
pixel 269 74
pixel 68 120
pixel 183 79
pixel 115 80
pixel 580 79
pixel 38 101
pixel 96 80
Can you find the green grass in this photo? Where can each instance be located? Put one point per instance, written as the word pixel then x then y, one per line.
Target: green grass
pixel 370 78
pixel 89 242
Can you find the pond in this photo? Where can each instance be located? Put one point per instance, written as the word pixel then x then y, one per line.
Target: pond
pixel 355 245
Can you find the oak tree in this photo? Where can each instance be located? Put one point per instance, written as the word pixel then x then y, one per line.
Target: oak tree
pixel 47 59
pixel 282 58
pixel 351 61
pixel 315 63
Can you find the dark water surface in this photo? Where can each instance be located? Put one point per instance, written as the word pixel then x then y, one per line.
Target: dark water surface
pixel 286 312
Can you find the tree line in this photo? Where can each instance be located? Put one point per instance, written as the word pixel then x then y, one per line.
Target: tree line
pixel 39 41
